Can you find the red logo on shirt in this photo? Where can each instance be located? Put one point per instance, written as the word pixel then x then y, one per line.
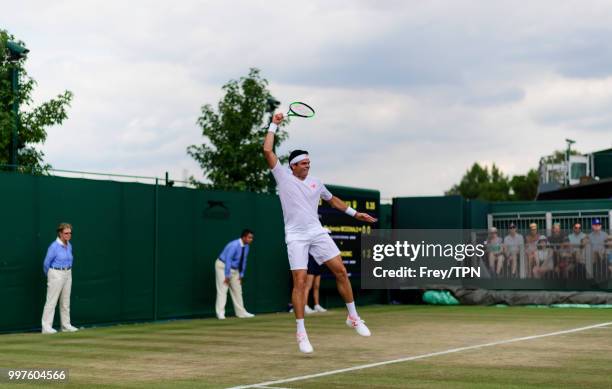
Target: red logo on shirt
pixel 313 186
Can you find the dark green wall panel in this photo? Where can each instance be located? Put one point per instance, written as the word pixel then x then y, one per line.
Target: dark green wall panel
pixel 176 252
pixel 22 282
pixel 428 212
pixel 94 210
pixel 137 251
pixel 141 252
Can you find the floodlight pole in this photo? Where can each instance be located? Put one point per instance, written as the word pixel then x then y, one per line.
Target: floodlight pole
pixel 16 52
pixel 570 142
pixel 15 109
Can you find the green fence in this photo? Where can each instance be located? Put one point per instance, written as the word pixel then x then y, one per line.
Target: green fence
pixel 441 212
pixel 142 252
pixel 428 212
pixel 548 206
pixel 454 212
pixel 385 217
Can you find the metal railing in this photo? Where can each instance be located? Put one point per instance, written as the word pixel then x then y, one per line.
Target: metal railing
pixel 100 176
pixel 565 253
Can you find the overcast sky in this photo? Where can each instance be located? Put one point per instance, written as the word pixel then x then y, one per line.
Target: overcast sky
pixel 408 93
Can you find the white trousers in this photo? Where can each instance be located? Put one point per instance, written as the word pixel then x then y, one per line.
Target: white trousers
pixel 235 288
pixel 59 283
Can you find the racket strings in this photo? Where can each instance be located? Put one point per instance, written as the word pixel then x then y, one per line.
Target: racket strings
pixel 301 109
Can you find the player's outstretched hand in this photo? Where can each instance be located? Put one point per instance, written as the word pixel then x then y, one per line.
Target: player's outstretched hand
pixel 278 118
pixel 364 217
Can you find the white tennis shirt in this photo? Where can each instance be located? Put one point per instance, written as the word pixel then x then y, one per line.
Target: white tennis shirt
pixel 300 201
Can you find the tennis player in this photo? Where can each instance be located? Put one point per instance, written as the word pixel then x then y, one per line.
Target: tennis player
pixel 299 195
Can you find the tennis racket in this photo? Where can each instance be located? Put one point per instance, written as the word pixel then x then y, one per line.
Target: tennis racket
pixel 300 109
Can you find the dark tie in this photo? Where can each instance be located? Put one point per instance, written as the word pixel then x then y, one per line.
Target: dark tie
pixel 241 259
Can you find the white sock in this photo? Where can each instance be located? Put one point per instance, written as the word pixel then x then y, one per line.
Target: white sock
pixel 300 326
pixel 352 310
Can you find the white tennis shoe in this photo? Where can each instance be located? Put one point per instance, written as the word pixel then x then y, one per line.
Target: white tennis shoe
pixel 358 325
pixel 308 310
pixel 304 343
pixel 69 328
pixel 319 308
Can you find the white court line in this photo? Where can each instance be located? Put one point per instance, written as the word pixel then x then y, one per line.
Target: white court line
pixel 422 356
pixel 269 387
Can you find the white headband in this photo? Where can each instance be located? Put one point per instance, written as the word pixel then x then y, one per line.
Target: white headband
pixel 298 159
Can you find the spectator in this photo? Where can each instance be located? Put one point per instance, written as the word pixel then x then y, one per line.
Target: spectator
pixel 556 237
pixel 513 245
pixel 229 273
pixel 581 257
pixel 495 250
pixel 544 259
pixel 531 247
pixel 597 238
pixel 609 255
pixel 576 236
pixel 566 260
pixel 577 241
pixel 58 269
pixel 555 240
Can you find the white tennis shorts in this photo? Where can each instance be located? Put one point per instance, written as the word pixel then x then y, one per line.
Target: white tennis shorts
pixel 321 247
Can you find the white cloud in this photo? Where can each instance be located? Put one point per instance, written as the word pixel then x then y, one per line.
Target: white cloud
pixel 408 94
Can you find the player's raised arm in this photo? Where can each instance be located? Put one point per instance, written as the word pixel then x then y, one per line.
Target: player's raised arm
pixel 341 206
pixel 268 146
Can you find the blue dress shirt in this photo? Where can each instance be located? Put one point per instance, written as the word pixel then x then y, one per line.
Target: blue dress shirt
pixel 231 256
pixel 58 255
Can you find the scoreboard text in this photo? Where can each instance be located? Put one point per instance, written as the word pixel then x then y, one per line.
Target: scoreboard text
pixel 345 230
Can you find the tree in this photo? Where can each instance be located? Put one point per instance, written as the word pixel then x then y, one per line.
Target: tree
pixel 479 183
pixel 32 120
pixel 525 187
pixel 558 156
pixel 232 159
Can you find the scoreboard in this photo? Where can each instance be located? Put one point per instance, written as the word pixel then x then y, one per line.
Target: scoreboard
pixel 345 230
